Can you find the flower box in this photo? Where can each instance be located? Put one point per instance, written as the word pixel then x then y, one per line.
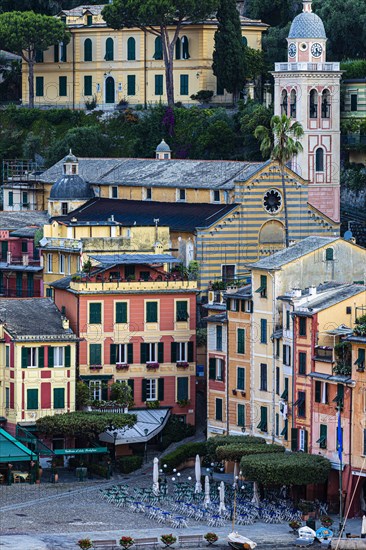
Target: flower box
pixel 183 364
pixel 122 366
pixel 152 365
pixel 235 392
pixel 96 367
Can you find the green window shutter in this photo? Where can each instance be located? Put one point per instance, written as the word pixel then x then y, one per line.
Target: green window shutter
pixel 109 49
pixel 67 357
pixel 113 354
pixel 294 439
pixel 143 390
pixel 121 312
pixel 159 84
pixel 151 312
pixel 95 313
pixel 241 340
pixel 161 389
pixel 241 416
pixel 240 379
pixel 190 352
pixel 104 391
pixel 62 86
pixel 161 352
pixel 131 49
pixel 329 256
pixel 130 354
pixel 32 400
pixel 182 388
pixel 182 310
pixel 88 85
pixel 39 56
pixel 318 389
pixel 264 420
pixel 263 331
pixel 302 362
pixel 19 284
pixel 95 354
pixel 50 357
pixel 212 368
pixel 131 384
pixel 89 20
pixel 306 441
pixel 11 198
pixel 323 436
pixel 184 89
pixel 59 398
pixel 178 49
pixel 39 86
pixel 131 84
pixel 56 53
pixel 218 409
pixel 143 352
pixel 158 49
pixel 41 357
pixel 63 48
pixel 88 50
pixel 24 358
pixel 185 45
pixel 173 352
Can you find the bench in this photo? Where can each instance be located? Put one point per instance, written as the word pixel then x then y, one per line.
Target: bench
pixel 152 541
pixel 104 544
pixel 182 539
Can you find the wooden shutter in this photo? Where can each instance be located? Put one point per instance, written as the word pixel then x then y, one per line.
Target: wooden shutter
pixel 58 398
pixel 241 415
pixel 302 362
pixel 109 49
pixel 218 409
pixel 131 84
pixel 173 352
pixel 88 85
pixel 182 388
pixel 240 382
pixel 185 45
pixel 130 353
pixel 104 391
pixel 32 400
pixel 294 439
pixel 183 84
pixel 131 384
pixel 212 368
pixel 88 51
pixel 56 53
pixel 190 352
pixel 181 310
pixel 24 358
pixel 121 312
pixel 50 357
pixel 113 354
pixel 95 313
pixel 143 391
pixel 151 312
pixel 62 85
pixel 263 331
pixel 306 440
pixel 67 357
pixel 161 389
pixel 41 357
pixel 158 48
pixel 95 354
pixel 264 420
pixel 143 352
pixel 161 352
pixel 241 340
pixel 131 49
pixel 323 436
pixel 318 390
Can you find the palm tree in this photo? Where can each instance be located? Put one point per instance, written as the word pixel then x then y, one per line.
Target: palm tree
pixel 280 141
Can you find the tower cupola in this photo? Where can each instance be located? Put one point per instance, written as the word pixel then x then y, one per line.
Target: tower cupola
pixel 163 151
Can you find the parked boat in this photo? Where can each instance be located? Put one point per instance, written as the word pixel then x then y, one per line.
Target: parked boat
pixel 324 535
pixel 238 542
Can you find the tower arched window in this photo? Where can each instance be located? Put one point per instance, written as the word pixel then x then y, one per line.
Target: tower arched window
pixel 109 49
pixel 158 48
pixel 319 160
pixel 313 104
pixel 178 46
pixel 326 104
pixel 131 49
pixel 293 104
pixel 88 50
pixel 185 48
pixel 284 102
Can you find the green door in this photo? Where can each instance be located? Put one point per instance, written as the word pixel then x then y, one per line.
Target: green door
pixel 109 90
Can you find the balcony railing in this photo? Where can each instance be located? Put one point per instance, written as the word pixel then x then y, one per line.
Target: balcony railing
pixel 25 259
pixel 323 353
pixel 56 242
pixel 313 67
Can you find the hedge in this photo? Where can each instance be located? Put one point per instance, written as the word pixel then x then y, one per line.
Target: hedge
pixel 235 452
pixel 214 442
pixel 286 469
pixel 128 464
pixel 183 453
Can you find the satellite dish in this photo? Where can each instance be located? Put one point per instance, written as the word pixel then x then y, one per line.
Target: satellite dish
pixel 348 235
pixel 43 241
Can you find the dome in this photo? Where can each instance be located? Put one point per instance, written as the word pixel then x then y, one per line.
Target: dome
pixel 307 25
pixel 71 187
pixel 163 147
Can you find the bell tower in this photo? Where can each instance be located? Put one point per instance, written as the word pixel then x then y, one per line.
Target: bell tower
pixel 307 89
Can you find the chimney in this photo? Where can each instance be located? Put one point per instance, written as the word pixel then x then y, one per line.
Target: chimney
pixel 65 323
pixel 296 292
pixel 312 290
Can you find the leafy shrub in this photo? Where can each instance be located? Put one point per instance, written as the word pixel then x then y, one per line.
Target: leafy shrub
pixel 90 104
pixel 175 430
pixel 98 469
pixel 235 452
pixel 354 68
pixel 213 442
pixel 128 464
pixel 203 96
pixel 183 453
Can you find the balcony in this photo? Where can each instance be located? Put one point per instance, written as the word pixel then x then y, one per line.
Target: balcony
pixel 323 353
pixel 312 67
pixel 54 243
pixel 24 260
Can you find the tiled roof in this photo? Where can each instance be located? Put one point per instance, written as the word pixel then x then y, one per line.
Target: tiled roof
pixel 326 299
pixel 115 259
pixel 243 292
pixel 307 25
pixel 177 216
pixel 219 318
pixel 16 220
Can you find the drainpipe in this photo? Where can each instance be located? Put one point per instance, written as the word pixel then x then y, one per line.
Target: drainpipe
pixel 145 71
pixel 273 429
pixel 73 71
pixel 227 374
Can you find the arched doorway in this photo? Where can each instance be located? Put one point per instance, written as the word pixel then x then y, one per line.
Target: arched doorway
pixel 109 90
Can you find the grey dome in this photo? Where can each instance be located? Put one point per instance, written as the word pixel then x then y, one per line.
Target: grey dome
pixel 307 25
pixel 163 147
pixel 71 187
pixel 70 157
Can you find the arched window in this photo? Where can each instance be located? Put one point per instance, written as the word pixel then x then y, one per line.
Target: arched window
pixel 185 48
pixel 293 104
pixel 109 49
pixel 313 105
pixel 284 102
pixel 158 48
pixel 244 41
pixel 88 50
pixel 329 254
pixel 131 49
pixel 319 160
pixel 178 46
pixel 326 104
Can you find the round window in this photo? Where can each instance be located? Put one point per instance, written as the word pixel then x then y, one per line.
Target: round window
pixel 303 46
pixel 272 201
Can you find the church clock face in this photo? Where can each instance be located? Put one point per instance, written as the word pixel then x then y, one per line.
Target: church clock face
pixel 272 201
pixel 292 49
pixel 316 50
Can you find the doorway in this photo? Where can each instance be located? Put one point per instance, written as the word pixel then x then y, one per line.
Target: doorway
pixel 109 90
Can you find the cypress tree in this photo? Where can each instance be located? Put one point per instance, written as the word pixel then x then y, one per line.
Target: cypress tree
pixel 229 64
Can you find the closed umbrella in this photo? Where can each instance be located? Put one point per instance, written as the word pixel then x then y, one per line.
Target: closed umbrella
pixel 363 527
pixel 156 476
pixel 255 499
pixel 207 500
pixel 222 498
pixel 197 470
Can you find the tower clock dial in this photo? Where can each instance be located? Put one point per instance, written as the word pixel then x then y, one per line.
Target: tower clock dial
pixel 292 49
pixel 316 50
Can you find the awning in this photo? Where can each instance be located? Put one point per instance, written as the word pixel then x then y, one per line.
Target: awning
pixel 85 451
pixel 336 378
pixel 11 450
pixel 149 423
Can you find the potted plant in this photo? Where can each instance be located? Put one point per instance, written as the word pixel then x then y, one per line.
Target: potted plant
pixel 183 364
pixel 126 542
pixel 168 540
pixel 235 392
pixel 306 507
pixel 152 365
pixel 295 525
pixel 326 521
pixel 122 366
pixel 183 403
pixel 211 538
pixel 85 544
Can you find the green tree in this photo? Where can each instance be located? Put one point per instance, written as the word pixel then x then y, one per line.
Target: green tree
pixel 281 143
pixel 121 393
pixel 25 33
pixel 229 60
pixel 252 114
pixel 273 12
pixel 162 18
pixel 46 7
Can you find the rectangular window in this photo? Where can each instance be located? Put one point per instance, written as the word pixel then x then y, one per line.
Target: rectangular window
pixel 182 388
pixel 278 380
pixel 241 415
pixel 95 354
pixel 262 289
pixel 49 263
pixel 131 84
pixel 302 437
pixel 240 378
pixel 151 389
pixel 263 424
pixel 219 369
pixel 184 84
pixel 121 353
pixel 302 326
pixel 49 292
pixel 63 52
pixel 151 312
pixel 181 310
pixel 58 398
pixel 95 390
pixel 216 196
pixel 148 194
pixel 25 203
pixel 95 313
pixel 218 409
pixel 64 208
pixel 88 85
pixel 241 340
pixel 31 357
pixel 301 404
pixel 62 86
pixel 62 263
pixel 152 352
pixel 32 400
pixel 323 436
pixel 7 398
pixel 339 398
pixel 181 350
pixel 11 198
pixel 159 84
pixel 228 272
pixel 114 192
pixel 263 331
pixel 302 362
pixel 286 355
pixel 181 193
pixel 7 356
pixel 263 377
pixel 39 56
pixel 58 356
pixel 287 319
pixel 353 102
pixel 218 337
pixel 121 312
pixel 39 86
pixel 277 425
pixel 89 20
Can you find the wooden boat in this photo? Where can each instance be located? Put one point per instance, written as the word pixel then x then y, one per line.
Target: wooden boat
pixel 238 542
